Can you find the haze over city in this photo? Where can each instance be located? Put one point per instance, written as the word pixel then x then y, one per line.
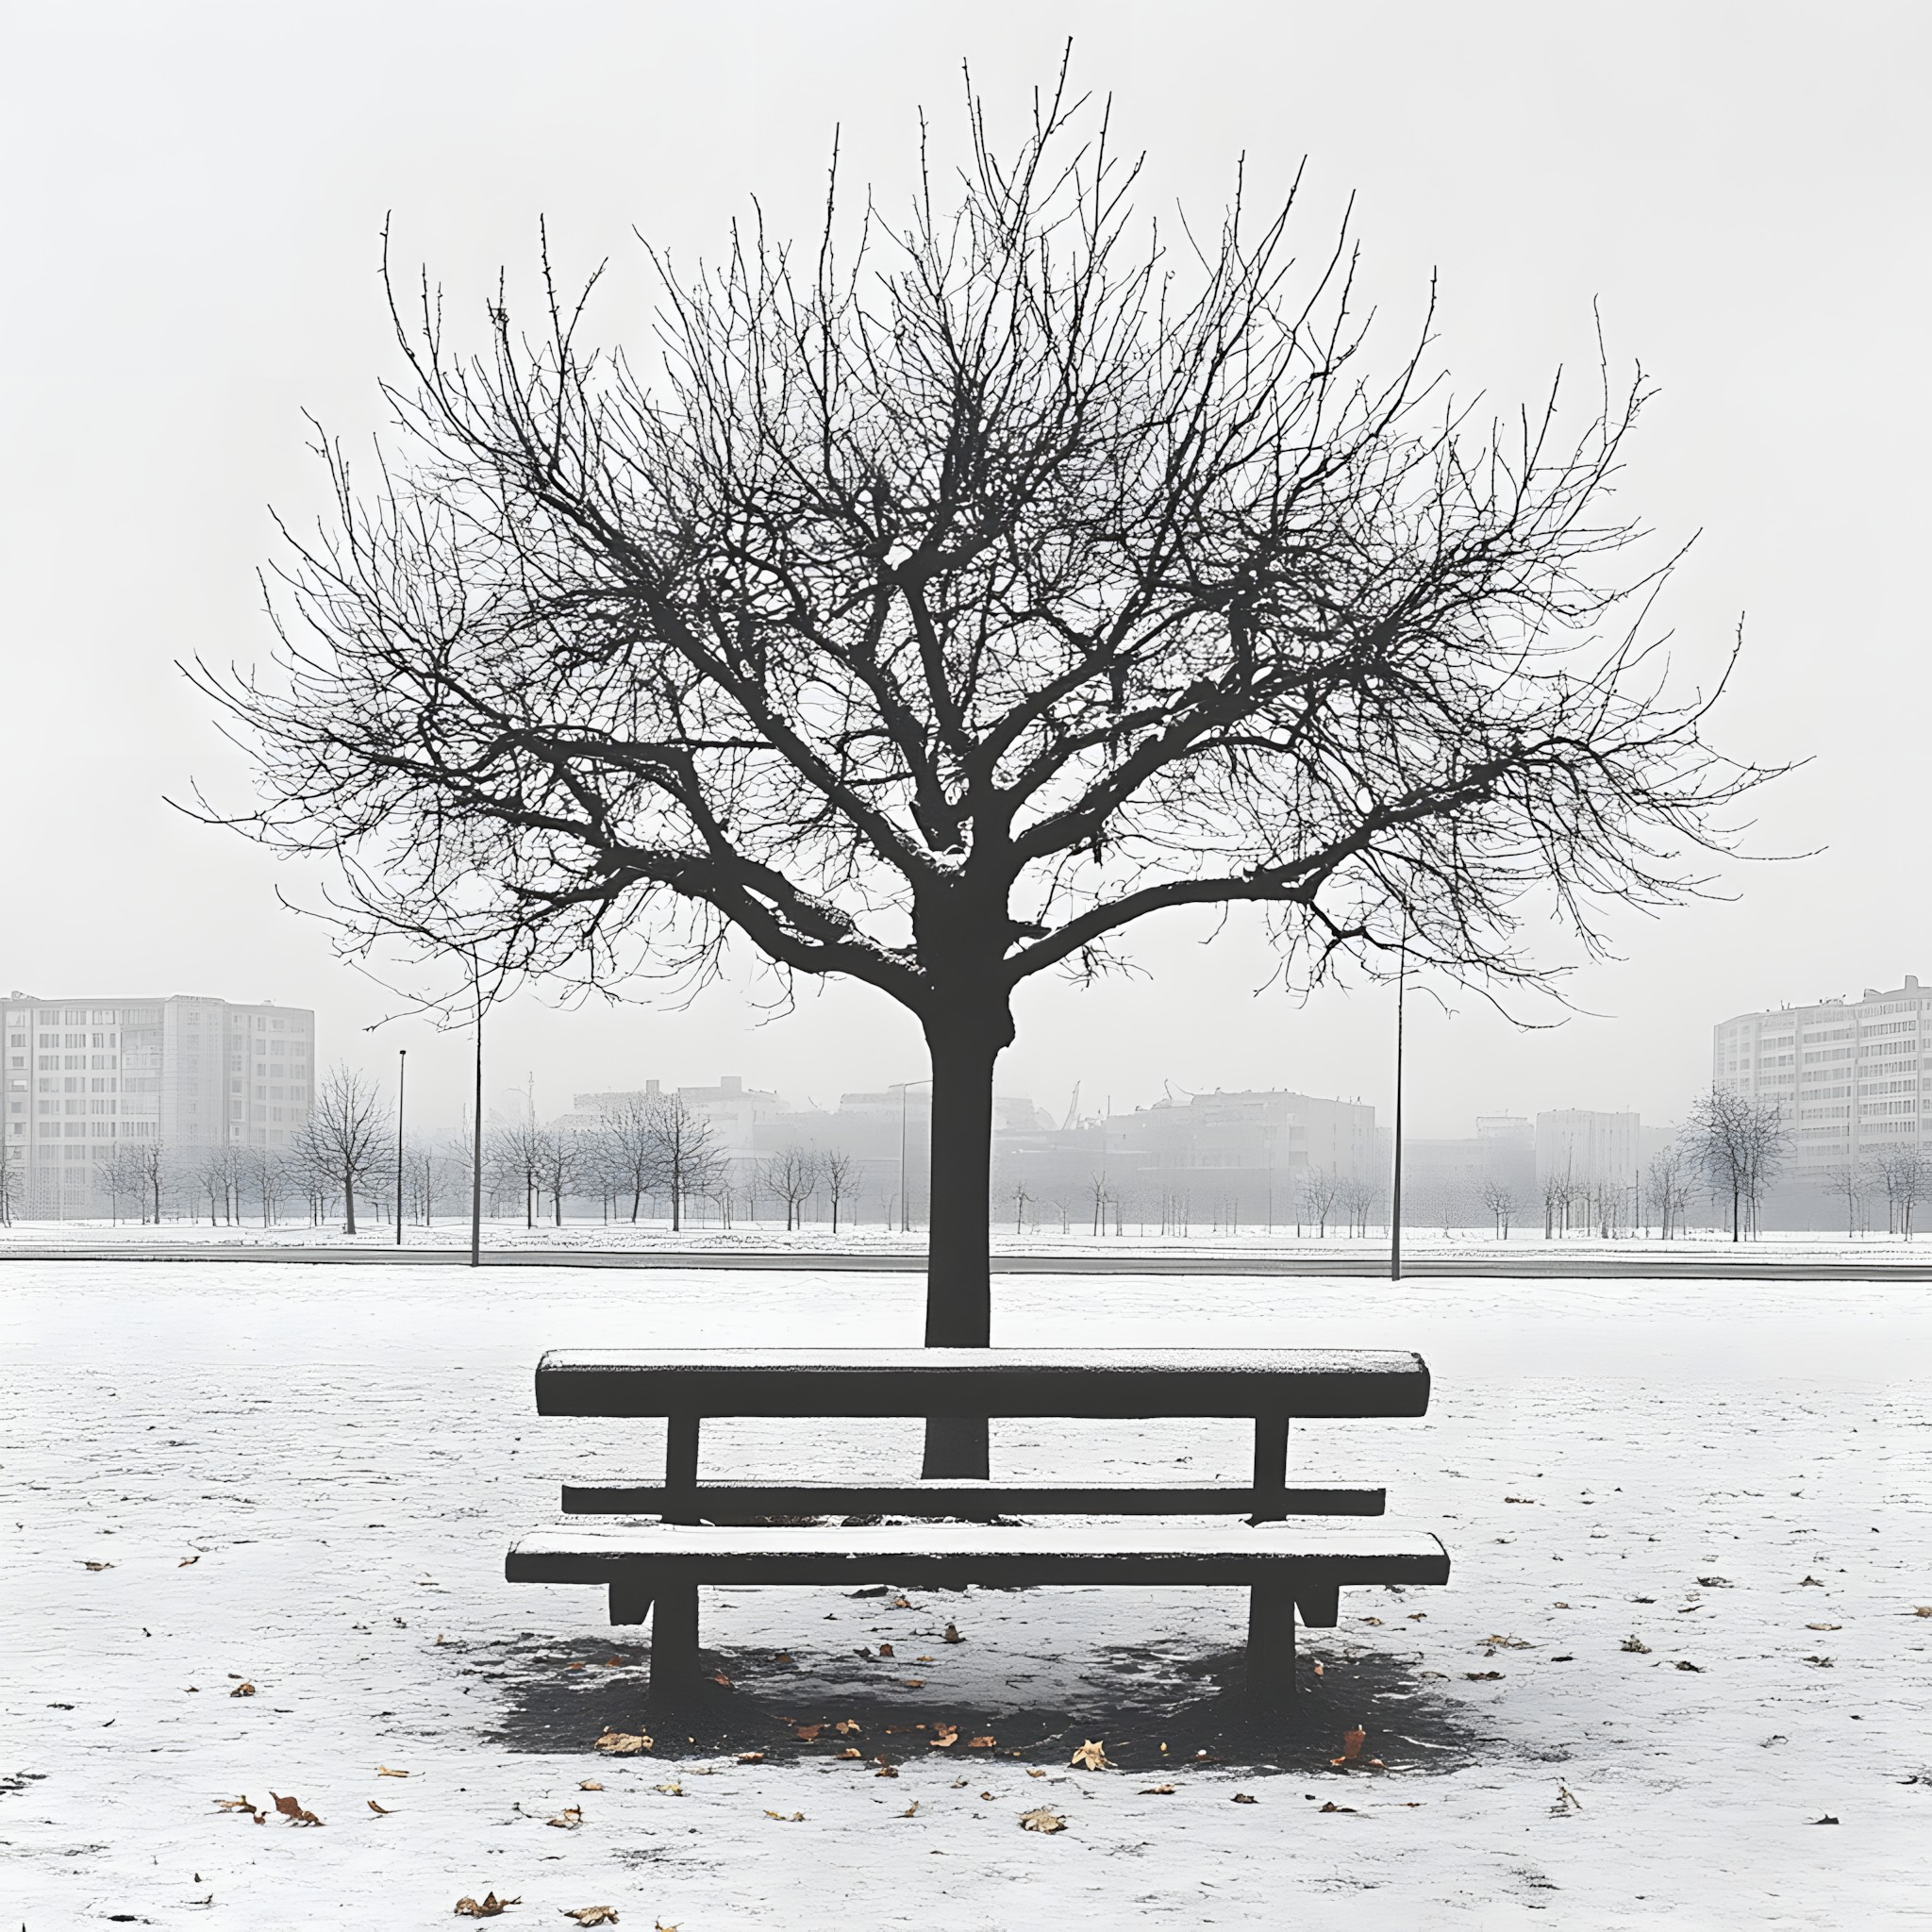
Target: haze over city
pixel 204 217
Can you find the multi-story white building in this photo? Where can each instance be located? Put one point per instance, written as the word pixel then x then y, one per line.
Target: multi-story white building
pixel 82 1076
pixel 1847 1074
pixel 1588 1146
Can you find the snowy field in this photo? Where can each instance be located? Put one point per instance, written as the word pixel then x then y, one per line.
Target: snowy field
pixel 1690 1533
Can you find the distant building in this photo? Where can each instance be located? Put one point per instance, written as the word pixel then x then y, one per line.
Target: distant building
pixel 84 1076
pixel 1847 1074
pixel 735 1112
pixel 1588 1147
pixel 1472 1182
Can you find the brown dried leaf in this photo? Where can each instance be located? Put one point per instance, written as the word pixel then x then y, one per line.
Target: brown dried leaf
pixel 751 1758
pixel 1922 1610
pixel 488 1906
pixel 787 1817
pixel 1156 1790
pixel 986 1743
pixel 1332 1806
pixel 589 1783
pixel 187 1560
pixel 1036 1774
pixel 886 1770
pixel 913 1683
pixel 1092 1756
pixel 242 1689
pixel 852 1751
pixel 623 1743
pixel 1246 1798
pixel 944 1736
pixel 1041 1819
pixel 807 1734
pixel 88 1563
pixel 593 1915
pixel 953 1634
pixel 240 1805
pixel 567 1819
pixel 380 1810
pixel 1352 1742
pixel 720 1678
pixel 383 1770
pixel 884 1650
pixel 912 1810
pixel 899 1603
pixel 1825 1627
pixel 783 1656
pixel 847 1725
pixel 294 1810
pixel 1636 1646
pixel 669 1790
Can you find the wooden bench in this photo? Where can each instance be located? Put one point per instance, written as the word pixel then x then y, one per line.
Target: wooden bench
pixel 715 1533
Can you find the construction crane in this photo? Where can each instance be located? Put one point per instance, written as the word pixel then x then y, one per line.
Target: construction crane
pixel 1067 1125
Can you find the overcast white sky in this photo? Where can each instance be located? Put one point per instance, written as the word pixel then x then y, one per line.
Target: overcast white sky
pixel 193 196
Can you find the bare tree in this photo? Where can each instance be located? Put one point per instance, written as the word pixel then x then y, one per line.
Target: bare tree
pixel 1738 1142
pixel 1903 1172
pixel 1499 1200
pixel 839 1172
pixel 1667 1181
pixel 1358 1196
pixel 13 1178
pixel 792 1174
pixel 1319 1187
pixel 1848 1180
pixel 1558 1193
pixel 633 1151
pixel 934 612
pixel 347 1136
pixel 689 1157
pixel 153 1172
pixel 560 1163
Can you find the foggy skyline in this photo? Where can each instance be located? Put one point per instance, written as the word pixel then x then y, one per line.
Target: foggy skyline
pixel 195 225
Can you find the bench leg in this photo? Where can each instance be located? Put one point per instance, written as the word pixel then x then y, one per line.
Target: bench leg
pixel 1271 1644
pixel 630 1601
pixel 1320 1604
pixel 956 1445
pixel 675 1642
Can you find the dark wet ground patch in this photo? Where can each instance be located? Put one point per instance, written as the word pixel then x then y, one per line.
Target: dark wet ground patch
pixel 1157 1709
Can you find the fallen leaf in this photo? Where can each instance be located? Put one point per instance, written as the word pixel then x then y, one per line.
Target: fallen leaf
pixel 720 1678
pixel 238 1805
pixel 1714 1582
pixel 911 1809
pixel 1519 1499
pixel 1684 1663
pixel 1041 1819
pixel 953 1634
pixel 1156 1790
pixel 1036 1774
pixel 982 1744
pixel 1352 1742
pixel 488 1906
pixel 1243 1798
pixel 884 1650
pixel 380 1810
pixel 1922 1610
pixel 593 1915
pixel 899 1603
pixel 944 1736
pixel 567 1820
pixel 1092 1756
pixel 807 1734
pixel 185 1561
pixel 751 1758
pixel 589 1783
pixel 1823 1663
pixel 611 1663
pixel 579 1665
pixel 1376 1621
pixel 1509 1643
pixel 623 1743
pixel 886 1770
pixel 1636 1646
pixel 1332 1806
pixel 847 1725
pixel 1810 1582
pixel 294 1810
pixel 244 1690
pixel 925 1659
pixel 783 1656
pixel 383 1770
pixel 852 1751
pixel 672 1791
pixel 1825 1627
pixel 913 1683
pixel 1827 1819
pixel 1482 1676
pixel 787 1817
pixel 88 1563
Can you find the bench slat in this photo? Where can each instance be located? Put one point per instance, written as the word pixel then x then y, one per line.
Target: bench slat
pixel 1112 1383
pixel 719 1502
pixel 663 1555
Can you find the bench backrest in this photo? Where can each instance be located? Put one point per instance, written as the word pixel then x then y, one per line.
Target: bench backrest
pixel 1106 1382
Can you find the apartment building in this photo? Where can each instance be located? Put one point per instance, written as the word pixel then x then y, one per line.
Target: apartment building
pixel 1847 1072
pixel 83 1076
pixel 1589 1146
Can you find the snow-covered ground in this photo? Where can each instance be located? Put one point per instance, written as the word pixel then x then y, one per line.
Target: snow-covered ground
pixel 303 1480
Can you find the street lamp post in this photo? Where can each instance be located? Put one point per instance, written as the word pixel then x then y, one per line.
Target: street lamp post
pixel 401 1072
pixel 476 1130
pixel 1395 1183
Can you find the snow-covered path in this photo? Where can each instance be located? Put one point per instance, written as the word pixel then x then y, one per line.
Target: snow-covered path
pixel 304 1480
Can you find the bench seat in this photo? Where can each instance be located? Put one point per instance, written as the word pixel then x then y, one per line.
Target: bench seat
pixel 1289 1567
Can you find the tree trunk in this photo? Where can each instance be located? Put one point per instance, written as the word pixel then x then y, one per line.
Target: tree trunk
pixel 349 1202
pixel 959 1267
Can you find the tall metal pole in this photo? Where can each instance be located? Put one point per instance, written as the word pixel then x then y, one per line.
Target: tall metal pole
pixel 401 1073
pixel 905 1207
pixel 1395 1185
pixel 477 1137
